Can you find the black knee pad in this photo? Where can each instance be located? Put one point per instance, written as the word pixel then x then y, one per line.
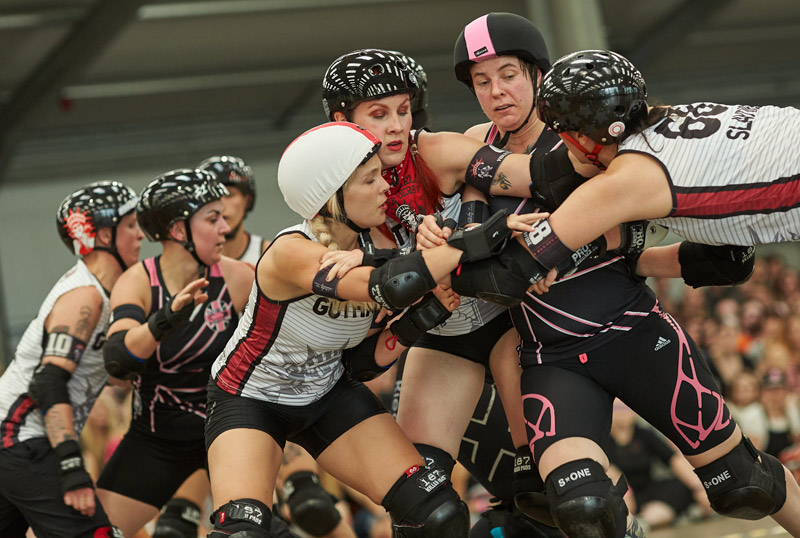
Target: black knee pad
pixel 584 502
pixel 529 492
pixel 423 504
pixel 313 509
pixel 745 483
pixel 242 518
pixel 178 519
pixel 436 456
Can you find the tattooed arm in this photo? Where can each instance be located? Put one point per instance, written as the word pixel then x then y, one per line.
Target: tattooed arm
pixel 76 313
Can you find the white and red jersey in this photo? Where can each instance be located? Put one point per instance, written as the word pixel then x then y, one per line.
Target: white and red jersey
pixel 21 420
pixel 288 352
pixel 253 251
pixel 734 171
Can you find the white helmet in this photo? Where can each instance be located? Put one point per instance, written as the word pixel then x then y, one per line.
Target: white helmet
pixel 318 162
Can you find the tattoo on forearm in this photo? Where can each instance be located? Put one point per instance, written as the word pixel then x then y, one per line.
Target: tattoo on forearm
pixel 501 180
pixel 83 327
pixel 58 429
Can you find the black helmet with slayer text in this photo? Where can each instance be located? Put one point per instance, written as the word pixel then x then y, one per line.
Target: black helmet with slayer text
pixel 363 75
pixel 97 205
pixel 597 93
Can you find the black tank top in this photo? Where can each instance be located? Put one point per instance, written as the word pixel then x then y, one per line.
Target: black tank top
pixel 170 396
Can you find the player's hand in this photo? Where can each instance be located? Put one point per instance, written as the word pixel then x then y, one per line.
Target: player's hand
pixel 543 286
pixel 81 500
pixel 524 223
pixel 192 294
pixel 342 261
pixel 449 299
pixel 430 235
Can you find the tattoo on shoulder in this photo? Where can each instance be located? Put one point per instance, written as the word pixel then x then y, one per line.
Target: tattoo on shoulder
pixel 501 180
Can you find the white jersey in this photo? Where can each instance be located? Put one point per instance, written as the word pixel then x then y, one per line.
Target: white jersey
pixel 253 251
pixel 288 352
pixel 734 171
pixel 21 420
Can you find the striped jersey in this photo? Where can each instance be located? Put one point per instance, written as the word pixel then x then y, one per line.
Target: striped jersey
pixel 734 171
pixel 20 419
pixel 288 352
pixel 253 251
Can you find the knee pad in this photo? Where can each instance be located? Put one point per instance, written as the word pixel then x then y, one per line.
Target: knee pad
pixel 745 483
pixel 584 502
pixel 529 495
pixel 313 509
pixel 242 518
pixel 435 456
pixel 423 504
pixel 178 519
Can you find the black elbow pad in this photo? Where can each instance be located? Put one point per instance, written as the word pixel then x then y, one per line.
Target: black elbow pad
pixel 553 178
pixel 715 265
pixel 119 362
pixel 400 281
pixel 48 386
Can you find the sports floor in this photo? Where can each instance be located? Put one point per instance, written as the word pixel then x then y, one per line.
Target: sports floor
pixel 719 527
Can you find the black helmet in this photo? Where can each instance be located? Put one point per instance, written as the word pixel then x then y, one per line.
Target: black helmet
pixel 498 34
pixel 419 104
pixel 175 196
pixel 232 172
pixel 97 205
pixel 362 75
pixel 594 92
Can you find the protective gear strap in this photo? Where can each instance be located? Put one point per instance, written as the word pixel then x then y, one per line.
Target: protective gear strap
pixel 529 495
pixel 634 238
pixel 165 320
pixel 584 502
pixel 313 509
pixel 419 319
pixel 248 515
pixel 48 386
pixel 483 167
pixel 119 361
pixel 321 285
pixel 128 311
pixel 553 178
pixel 400 281
pixel 179 519
pixel 375 257
pixel 745 483
pixel 64 345
pixel 359 361
pixel 591 156
pixel 70 464
pixel 715 265
pixel 484 241
pixel 503 279
pixel 436 456
pixel 473 212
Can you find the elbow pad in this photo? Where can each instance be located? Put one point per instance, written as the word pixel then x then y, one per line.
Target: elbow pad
pixel 120 362
pixel 553 177
pixel 400 281
pixel 419 319
pixel 709 265
pixel 48 386
pixel 359 361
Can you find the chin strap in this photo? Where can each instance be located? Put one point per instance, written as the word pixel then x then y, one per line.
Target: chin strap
pixel 113 249
pixel 590 155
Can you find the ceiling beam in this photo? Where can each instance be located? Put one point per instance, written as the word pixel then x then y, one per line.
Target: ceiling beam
pixel 89 36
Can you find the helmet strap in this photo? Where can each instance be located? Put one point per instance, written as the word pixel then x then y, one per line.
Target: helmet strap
pixel 189 246
pixel 591 156
pixel 112 248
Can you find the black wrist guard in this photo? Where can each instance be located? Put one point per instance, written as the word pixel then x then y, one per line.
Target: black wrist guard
pixel 482 241
pixel 375 257
pixel 359 361
pixel 553 178
pixel 419 319
pixel 165 320
pixel 722 265
pixel 70 462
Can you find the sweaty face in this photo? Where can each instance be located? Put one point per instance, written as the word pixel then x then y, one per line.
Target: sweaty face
pixel 389 119
pixel 129 239
pixel 504 90
pixel 365 195
pixel 208 232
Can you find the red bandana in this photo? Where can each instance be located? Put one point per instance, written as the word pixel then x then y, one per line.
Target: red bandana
pixel 406 200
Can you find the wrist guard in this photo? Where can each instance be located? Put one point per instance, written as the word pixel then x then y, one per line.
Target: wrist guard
pixel 709 265
pixel 70 462
pixel 165 320
pixel 482 241
pixel 419 319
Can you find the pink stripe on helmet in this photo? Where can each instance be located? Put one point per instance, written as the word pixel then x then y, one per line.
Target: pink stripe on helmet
pixel 479 42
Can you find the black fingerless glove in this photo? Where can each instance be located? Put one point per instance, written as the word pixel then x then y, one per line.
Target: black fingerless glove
pixel 165 320
pixel 419 319
pixel 70 461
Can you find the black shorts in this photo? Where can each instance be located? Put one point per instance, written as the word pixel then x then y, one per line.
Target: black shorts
pixel 314 426
pixel 656 369
pixel 30 494
pixel 150 469
pixel 474 346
